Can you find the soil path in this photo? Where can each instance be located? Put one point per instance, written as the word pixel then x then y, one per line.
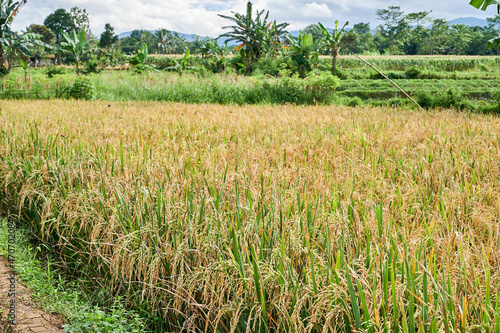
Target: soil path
pixel 29 319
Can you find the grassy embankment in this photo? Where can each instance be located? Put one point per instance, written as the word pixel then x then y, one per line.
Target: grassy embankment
pixel 266 218
pixel 469 83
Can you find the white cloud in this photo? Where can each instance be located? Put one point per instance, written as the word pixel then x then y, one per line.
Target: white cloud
pixel 314 9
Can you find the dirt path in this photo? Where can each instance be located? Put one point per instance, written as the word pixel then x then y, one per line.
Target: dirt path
pixel 29 319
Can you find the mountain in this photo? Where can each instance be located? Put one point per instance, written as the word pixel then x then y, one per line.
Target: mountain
pixel 187 37
pixel 470 21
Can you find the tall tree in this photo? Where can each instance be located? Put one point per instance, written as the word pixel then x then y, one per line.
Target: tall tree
pixel 395 25
pixel 418 17
pixel 59 21
pixel 459 37
pixel 436 42
pixel 8 10
pixel 108 37
pixel 365 38
pixel 48 35
pixel 81 20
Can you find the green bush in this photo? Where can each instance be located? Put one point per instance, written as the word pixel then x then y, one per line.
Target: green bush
pixel 54 70
pixel 355 101
pixel 390 75
pixel 268 65
pixel 92 65
pixel 322 84
pixel 412 73
pixel 83 88
pixel 448 99
pixel 4 71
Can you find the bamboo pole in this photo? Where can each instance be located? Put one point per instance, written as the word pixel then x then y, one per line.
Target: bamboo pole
pixel 366 62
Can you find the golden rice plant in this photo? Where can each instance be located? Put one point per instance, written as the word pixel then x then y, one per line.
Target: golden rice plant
pixel 266 218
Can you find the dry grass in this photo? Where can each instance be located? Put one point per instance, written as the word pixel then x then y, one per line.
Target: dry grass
pixel 270 218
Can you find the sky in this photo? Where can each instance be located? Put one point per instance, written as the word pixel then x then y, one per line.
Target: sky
pixel 200 17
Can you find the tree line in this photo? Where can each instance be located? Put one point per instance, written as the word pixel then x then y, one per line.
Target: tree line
pixel 67 35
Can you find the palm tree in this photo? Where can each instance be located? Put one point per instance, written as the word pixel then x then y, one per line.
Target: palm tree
pixel 252 34
pixel 332 41
pixel 8 10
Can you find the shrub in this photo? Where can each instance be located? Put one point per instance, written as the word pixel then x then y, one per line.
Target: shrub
pixel 355 101
pixel 412 73
pixel 54 70
pixel 390 75
pixel 268 65
pixel 92 65
pixel 448 99
pixel 4 71
pixel 321 84
pixel 83 88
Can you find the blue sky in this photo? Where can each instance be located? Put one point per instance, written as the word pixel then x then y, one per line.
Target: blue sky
pixel 200 17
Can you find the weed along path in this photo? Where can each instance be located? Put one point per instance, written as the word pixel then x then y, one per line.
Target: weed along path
pixel 28 318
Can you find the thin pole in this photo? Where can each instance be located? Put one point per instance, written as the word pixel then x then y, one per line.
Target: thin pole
pixel 366 62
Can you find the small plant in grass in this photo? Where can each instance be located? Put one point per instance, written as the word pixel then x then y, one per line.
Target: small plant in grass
pixel 95 320
pixel 139 60
pixel 53 294
pixel 55 70
pixel 322 84
pixel 182 65
pixel 83 88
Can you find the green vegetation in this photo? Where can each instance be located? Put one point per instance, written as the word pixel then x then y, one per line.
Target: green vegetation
pixel 466 83
pixel 53 294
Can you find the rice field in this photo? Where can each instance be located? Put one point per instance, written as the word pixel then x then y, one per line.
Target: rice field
pixel 265 218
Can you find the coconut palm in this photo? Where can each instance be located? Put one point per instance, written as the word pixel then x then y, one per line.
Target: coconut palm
pixel 252 34
pixel 8 10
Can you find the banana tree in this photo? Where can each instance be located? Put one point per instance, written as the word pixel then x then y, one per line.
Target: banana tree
pixel 332 41
pixel 21 46
pixel 8 10
pixel 214 55
pixel 181 65
pixel 252 34
pixel 303 52
pixel 76 45
pixel 494 43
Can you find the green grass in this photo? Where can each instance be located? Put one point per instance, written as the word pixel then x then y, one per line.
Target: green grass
pixel 52 293
pixel 472 81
